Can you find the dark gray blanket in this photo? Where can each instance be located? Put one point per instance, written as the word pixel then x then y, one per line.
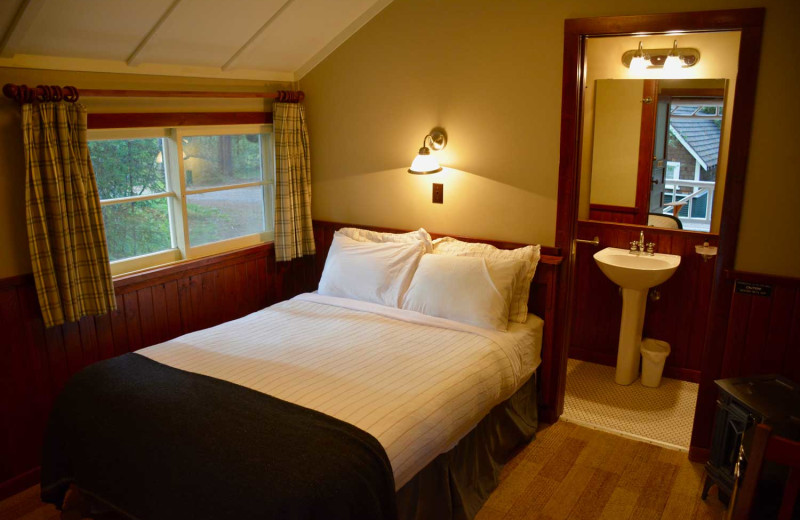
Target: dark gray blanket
pixel 154 442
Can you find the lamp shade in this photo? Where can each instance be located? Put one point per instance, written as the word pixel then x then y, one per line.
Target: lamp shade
pixel 425 163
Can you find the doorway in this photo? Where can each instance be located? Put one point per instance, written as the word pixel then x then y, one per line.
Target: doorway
pixel 748 22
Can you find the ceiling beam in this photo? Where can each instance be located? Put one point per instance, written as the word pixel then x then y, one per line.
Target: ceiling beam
pixel 23 18
pixel 134 58
pixel 228 64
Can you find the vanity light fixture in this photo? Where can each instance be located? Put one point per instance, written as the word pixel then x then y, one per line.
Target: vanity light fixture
pixel 425 163
pixel 670 60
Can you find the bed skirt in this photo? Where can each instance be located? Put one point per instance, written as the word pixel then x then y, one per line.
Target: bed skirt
pixel 457 483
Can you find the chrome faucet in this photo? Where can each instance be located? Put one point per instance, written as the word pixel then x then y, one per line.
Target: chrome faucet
pixel 640 248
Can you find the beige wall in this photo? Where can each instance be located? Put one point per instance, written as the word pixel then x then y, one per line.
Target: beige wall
pixel 490 73
pixel 14 258
pixel 718 60
pixel 615 161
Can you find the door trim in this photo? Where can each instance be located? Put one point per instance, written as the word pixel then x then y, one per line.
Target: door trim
pixel 646 149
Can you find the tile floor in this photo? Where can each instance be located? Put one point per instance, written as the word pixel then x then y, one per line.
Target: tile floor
pixel 661 416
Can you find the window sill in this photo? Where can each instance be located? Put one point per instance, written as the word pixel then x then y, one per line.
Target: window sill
pixel 185 268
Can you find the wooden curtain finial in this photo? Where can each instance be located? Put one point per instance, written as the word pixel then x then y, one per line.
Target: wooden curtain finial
pixel 290 96
pixel 43 93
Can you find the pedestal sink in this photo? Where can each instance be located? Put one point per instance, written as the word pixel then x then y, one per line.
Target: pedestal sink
pixel 635 274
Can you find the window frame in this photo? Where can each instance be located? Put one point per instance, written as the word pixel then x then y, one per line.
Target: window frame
pixel 177 192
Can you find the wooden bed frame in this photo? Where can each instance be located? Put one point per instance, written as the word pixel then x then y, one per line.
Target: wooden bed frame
pixel 542 299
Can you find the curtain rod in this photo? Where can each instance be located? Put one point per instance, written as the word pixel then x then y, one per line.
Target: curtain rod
pixel 24 94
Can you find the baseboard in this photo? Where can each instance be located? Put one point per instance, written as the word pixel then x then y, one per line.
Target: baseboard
pixel 698 454
pixel 602 358
pixel 19 483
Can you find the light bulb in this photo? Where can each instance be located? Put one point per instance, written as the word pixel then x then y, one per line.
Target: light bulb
pixel 672 65
pixel 425 163
pixel 639 65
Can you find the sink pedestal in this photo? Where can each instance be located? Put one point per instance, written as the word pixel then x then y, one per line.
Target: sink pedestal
pixel 630 335
pixel 635 274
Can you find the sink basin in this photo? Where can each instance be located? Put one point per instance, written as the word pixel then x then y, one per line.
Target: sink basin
pixel 635 274
pixel 636 271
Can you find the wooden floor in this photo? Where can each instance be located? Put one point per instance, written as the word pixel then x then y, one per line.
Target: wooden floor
pixel 568 472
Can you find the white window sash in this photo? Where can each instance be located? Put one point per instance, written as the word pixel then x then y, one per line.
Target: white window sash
pixel 177 192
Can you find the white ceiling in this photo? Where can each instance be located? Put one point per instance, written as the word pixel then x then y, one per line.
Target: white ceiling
pixel 247 39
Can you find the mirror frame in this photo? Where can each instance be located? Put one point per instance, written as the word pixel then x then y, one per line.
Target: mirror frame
pixel 576 31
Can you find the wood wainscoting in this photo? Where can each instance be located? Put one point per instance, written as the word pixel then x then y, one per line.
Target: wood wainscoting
pixel 618 214
pixel 763 334
pixel 157 305
pixel 152 307
pixel 679 317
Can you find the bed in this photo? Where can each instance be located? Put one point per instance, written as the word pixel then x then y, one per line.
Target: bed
pixel 429 407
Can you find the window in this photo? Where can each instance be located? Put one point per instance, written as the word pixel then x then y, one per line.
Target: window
pixel 171 194
pixel 700 206
pixel 673 170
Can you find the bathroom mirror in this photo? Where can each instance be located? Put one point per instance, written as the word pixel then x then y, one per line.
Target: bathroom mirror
pixel 654 145
pixel 669 142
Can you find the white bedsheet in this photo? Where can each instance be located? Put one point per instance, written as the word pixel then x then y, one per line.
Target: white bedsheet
pixel 416 383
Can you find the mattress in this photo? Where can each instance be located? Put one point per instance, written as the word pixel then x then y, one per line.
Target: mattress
pixel 416 383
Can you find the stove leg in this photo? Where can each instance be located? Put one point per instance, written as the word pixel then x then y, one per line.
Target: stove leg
pixel 707 483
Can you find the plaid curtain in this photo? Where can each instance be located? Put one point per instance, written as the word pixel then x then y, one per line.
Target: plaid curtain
pixel 66 237
pixel 294 235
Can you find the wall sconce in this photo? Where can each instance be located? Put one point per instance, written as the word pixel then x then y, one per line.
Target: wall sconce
pixel 426 163
pixel 670 60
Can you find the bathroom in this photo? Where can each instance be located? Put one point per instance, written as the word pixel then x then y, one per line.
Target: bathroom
pixel 639 167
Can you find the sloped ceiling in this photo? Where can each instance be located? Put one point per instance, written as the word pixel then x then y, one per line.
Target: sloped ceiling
pixel 247 39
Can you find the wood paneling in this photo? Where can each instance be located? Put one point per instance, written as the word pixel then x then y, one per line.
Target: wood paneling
pixel 152 307
pixel 542 302
pixel 618 214
pixel 763 333
pixel 678 317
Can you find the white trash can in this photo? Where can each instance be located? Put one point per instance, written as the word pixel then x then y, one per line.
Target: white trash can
pixel 654 355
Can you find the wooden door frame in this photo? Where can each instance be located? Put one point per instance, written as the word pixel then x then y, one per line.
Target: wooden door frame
pixel 646 148
pixel 576 31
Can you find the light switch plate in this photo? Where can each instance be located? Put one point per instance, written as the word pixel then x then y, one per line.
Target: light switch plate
pixel 438 193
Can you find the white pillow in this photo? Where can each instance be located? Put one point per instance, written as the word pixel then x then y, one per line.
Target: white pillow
pixel 366 235
pixel 519 300
pixel 368 271
pixel 468 289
